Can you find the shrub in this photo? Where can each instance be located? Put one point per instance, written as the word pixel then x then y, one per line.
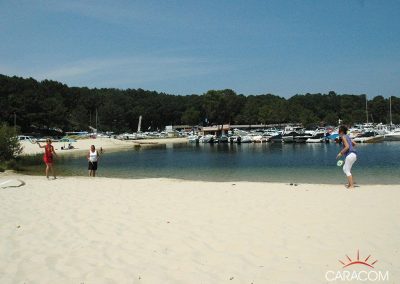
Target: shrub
pixel 9 143
pixel 12 165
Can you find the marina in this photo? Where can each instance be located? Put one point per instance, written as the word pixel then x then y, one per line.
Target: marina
pixel 363 133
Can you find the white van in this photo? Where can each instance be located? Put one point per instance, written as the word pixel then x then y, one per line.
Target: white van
pixel 26 138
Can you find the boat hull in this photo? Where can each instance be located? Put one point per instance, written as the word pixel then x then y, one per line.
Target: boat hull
pixel 392 137
pixel 374 139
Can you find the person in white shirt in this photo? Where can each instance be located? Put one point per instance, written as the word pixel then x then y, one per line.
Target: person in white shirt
pixel 93 157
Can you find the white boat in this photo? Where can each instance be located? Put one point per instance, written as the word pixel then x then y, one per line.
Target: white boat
pixel 102 135
pixel 233 139
pixel 294 137
pixel 369 137
pixel 127 136
pixel 246 139
pixel 291 129
pixel 315 140
pixel 223 139
pixel 207 139
pixel 258 139
pixel 317 137
pixel 393 135
pixel 193 139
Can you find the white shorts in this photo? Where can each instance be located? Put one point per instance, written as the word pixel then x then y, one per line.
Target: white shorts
pixel 348 163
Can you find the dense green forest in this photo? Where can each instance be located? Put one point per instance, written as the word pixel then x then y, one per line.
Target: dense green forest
pixel 50 104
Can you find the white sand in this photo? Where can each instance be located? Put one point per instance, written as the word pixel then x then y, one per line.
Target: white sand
pixel 82 230
pixel 108 144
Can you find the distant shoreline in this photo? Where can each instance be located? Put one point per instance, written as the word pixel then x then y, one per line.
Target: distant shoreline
pixel 107 144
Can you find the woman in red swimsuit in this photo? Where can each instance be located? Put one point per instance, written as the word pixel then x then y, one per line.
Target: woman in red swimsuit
pixel 48 157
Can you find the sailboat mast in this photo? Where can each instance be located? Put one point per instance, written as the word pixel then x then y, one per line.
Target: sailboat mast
pixel 96 120
pixel 390 110
pixel 366 106
pixel 139 124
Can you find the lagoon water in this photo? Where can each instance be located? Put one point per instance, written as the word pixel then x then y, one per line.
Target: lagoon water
pixel 289 163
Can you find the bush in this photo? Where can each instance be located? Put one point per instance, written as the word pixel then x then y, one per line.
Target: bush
pixel 10 147
pixel 12 165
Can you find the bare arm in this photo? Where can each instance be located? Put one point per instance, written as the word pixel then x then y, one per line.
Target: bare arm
pixel 54 152
pixel 344 150
pixel 40 146
pixel 346 147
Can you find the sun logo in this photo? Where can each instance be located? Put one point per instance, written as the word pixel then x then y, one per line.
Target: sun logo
pixel 350 262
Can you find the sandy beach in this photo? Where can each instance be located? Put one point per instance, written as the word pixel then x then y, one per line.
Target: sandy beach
pixel 108 144
pixel 104 230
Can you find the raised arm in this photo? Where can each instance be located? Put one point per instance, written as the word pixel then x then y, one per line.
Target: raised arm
pixel 40 146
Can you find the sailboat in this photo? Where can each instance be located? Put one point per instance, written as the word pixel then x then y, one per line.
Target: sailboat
pixel 393 135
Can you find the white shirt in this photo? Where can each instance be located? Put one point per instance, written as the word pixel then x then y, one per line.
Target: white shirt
pixel 93 156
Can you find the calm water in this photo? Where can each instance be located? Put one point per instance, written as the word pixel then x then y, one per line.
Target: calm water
pixel 301 163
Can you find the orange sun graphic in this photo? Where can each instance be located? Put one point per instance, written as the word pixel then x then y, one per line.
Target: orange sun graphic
pixel 350 262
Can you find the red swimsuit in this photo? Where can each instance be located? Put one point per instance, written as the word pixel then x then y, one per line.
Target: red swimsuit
pixel 48 154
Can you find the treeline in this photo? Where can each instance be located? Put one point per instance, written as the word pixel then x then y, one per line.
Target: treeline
pixel 50 104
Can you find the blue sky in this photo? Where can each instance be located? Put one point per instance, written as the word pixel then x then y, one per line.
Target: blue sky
pixel 184 47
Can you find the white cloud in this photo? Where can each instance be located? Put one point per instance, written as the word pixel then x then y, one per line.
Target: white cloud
pixel 130 70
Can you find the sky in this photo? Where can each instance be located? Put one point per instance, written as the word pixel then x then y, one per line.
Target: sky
pixel 189 47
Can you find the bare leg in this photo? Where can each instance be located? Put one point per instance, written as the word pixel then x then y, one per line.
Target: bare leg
pixel 90 173
pixel 350 184
pixel 94 173
pixel 47 170
pixel 52 171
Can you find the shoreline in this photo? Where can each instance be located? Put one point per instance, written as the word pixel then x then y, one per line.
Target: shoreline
pixel 97 230
pixel 108 145
pixel 292 185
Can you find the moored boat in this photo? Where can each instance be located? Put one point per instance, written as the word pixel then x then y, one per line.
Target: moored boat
pixel 369 137
pixel 193 139
pixel 207 139
pixel 276 139
pixel 393 135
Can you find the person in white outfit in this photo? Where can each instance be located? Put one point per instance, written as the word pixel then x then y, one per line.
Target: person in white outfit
pixel 349 152
pixel 93 158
